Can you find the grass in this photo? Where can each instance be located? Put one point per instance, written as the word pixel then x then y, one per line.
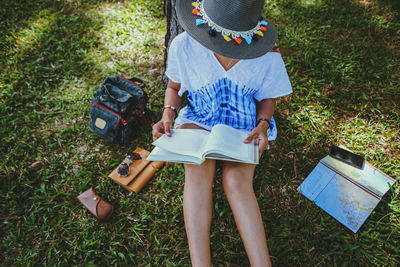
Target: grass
pixel 344 68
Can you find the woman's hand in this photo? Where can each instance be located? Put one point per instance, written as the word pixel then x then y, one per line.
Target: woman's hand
pixel 259 134
pixel 172 98
pixel 164 125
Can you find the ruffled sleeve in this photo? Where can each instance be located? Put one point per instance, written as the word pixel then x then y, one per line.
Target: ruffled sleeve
pixel 276 81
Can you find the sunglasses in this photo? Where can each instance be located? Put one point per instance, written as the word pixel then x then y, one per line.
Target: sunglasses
pixel 123 168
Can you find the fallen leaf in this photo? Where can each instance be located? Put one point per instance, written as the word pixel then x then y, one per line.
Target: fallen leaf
pixel 37 165
pixel 285 112
pixel 331 92
pixel 366 3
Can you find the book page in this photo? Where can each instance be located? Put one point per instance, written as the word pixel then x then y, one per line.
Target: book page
pixel 369 176
pixel 227 141
pixel 316 181
pixel 346 202
pixel 189 142
pixel 159 154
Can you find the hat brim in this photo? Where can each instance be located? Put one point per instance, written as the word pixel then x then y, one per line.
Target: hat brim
pixel 217 43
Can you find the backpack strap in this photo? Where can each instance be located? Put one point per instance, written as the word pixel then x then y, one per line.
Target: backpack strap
pixel 145 100
pixel 138 81
pixel 144 112
pixel 150 116
pixel 147 113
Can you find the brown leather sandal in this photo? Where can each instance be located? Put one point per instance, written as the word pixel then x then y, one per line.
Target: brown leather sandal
pixel 100 208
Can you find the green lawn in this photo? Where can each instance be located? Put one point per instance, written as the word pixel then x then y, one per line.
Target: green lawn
pixel 344 64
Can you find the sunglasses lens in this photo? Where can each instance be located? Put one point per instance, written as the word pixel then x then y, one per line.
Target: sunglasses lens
pixel 134 156
pixel 123 169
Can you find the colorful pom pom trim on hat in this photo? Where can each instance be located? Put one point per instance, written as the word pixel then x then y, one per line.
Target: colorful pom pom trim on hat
pixel 227 34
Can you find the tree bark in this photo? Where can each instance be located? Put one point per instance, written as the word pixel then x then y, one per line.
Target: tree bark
pixel 173 29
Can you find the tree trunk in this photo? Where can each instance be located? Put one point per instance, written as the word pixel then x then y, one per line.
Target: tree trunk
pixel 173 29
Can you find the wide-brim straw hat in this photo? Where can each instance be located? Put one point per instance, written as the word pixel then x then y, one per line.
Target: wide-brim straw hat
pixel 231 28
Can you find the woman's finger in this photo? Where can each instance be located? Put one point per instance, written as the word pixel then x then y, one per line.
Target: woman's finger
pixel 249 138
pixel 263 144
pixel 157 134
pixel 167 127
pixel 158 130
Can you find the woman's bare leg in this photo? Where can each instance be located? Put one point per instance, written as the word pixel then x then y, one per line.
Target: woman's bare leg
pixel 238 187
pixel 197 208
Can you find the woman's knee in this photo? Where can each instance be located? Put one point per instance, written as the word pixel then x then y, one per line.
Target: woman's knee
pixel 237 178
pixel 203 173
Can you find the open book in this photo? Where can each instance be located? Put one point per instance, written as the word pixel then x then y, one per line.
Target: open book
pixel 194 146
pixel 347 193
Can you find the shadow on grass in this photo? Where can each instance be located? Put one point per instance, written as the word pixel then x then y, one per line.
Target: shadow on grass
pixel 47 45
pixel 345 73
pixel 345 65
pixel 50 45
pixel 50 49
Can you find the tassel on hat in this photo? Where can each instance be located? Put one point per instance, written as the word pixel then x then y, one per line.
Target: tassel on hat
pixel 259 33
pixel 200 21
pixel 212 31
pixel 227 38
pixel 196 12
pixel 238 40
pixel 248 39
